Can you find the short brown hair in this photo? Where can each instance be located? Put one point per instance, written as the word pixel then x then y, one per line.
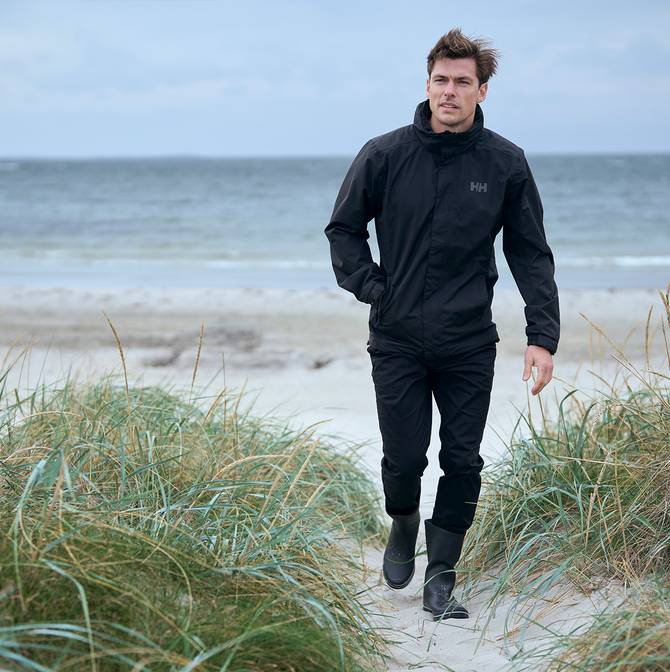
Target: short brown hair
pixel 456 45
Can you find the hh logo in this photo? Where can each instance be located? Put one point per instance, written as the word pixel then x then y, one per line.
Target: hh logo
pixel 478 186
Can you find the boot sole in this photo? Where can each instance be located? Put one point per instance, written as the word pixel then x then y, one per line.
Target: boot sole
pixel 454 614
pixel 398 586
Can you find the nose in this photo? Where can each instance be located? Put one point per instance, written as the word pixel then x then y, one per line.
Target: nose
pixel 448 91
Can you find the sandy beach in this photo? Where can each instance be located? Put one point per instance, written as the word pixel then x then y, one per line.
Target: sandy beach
pixel 300 354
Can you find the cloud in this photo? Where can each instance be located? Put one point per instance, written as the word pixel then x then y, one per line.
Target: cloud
pixel 354 70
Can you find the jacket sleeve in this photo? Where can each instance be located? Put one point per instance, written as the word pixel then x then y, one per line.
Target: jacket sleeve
pixel 357 202
pixel 529 257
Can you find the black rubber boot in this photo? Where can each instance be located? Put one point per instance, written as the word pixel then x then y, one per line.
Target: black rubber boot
pixel 444 550
pixel 400 550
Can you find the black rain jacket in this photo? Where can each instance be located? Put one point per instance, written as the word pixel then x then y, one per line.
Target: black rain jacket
pixel 438 201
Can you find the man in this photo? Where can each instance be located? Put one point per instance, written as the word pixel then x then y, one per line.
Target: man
pixel 440 190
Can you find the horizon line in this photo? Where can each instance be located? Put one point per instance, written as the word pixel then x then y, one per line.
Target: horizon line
pixel 207 157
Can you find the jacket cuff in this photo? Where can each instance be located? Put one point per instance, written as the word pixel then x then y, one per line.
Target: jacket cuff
pixel 546 342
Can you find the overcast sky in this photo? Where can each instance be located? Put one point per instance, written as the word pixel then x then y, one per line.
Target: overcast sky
pixel 219 78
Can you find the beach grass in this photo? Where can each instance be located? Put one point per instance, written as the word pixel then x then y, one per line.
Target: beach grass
pixel 583 502
pixel 631 635
pixel 143 530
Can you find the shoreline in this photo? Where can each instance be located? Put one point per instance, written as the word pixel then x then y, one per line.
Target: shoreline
pixel 315 275
pixel 25 307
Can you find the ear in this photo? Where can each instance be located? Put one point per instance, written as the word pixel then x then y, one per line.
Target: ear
pixel 428 88
pixel 483 90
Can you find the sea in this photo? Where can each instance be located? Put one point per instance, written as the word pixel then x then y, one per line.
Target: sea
pixel 259 222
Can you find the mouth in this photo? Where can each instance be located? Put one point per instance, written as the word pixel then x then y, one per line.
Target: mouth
pixel 449 106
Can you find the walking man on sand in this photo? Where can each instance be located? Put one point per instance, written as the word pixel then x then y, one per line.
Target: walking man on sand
pixel 440 190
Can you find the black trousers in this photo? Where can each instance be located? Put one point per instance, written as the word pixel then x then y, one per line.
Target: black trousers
pixel 461 384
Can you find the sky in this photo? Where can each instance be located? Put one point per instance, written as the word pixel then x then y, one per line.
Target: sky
pixel 216 78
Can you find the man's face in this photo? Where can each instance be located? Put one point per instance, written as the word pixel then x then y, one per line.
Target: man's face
pixel 453 93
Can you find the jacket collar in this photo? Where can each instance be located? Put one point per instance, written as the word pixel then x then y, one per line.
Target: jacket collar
pixel 446 143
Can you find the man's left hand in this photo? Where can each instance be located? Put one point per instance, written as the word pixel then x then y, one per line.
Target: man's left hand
pixel 542 359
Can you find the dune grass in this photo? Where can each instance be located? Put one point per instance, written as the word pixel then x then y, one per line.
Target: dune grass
pixel 144 531
pixel 584 501
pixel 633 636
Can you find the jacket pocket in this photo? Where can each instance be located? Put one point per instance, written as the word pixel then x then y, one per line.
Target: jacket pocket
pixel 382 303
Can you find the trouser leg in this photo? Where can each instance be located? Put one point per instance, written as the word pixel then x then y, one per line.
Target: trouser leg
pixel 462 388
pixel 404 410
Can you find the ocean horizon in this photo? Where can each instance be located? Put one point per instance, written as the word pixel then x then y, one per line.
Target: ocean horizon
pixel 258 222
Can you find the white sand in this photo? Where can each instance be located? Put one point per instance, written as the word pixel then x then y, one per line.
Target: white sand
pixel 302 353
